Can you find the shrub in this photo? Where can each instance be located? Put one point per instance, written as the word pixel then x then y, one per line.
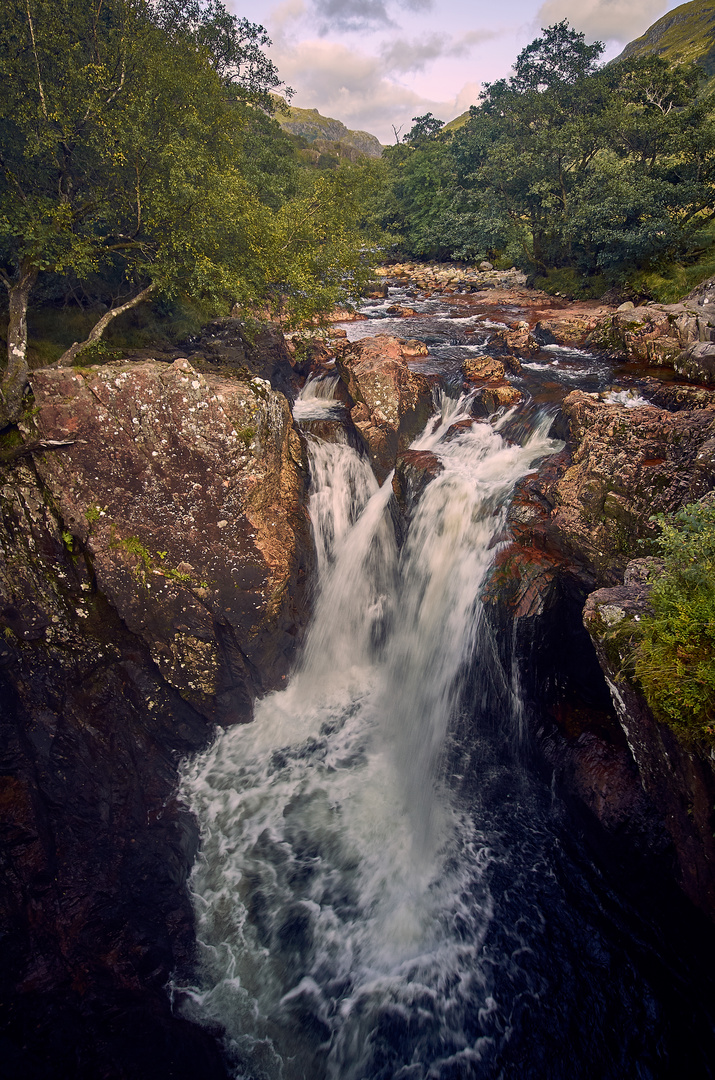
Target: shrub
pixel 675 660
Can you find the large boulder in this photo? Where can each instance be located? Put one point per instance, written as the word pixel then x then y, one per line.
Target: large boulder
pixel 628 464
pixel 392 403
pixel 187 493
pixel 680 336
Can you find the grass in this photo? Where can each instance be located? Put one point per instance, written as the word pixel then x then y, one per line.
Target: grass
pixel 671 283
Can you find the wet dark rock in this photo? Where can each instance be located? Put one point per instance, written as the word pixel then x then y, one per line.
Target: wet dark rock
pixel 414 470
pixel 153 576
pixel 225 347
pixel 94 910
pixel 679 778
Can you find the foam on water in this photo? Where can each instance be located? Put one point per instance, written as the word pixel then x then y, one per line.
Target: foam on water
pixel 340 887
pixel 317 401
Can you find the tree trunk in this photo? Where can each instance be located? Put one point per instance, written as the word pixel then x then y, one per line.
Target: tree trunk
pixel 68 357
pixel 14 380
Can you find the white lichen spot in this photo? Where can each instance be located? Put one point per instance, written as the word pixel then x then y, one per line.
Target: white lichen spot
pixel 611 614
pixel 82 614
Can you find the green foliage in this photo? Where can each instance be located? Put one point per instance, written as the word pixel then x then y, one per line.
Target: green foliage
pixel 138 158
pixel 675 660
pixel 146 563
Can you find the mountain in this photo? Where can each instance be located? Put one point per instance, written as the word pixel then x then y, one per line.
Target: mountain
pixel 312 126
pixel 683 35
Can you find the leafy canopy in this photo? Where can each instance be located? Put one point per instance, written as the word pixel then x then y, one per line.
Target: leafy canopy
pixel 137 153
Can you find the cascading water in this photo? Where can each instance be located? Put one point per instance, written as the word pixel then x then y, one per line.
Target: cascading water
pixel 374 899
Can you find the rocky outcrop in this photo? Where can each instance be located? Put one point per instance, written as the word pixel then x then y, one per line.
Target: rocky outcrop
pixel 392 403
pixel 679 336
pixel 187 492
pixel 154 557
pixel 679 778
pixel 487 376
pixel 627 465
pixel 224 347
pixel 575 527
pixel 452 277
pixel 313 126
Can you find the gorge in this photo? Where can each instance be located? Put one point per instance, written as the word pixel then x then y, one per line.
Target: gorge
pixel 431 852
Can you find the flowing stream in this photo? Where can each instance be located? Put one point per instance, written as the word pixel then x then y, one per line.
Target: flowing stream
pixel 384 891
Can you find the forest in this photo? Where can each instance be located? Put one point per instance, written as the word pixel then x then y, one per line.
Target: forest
pixel 588 177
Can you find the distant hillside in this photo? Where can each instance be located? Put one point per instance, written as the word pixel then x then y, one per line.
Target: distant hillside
pixel 686 34
pixel 309 124
pixel 458 122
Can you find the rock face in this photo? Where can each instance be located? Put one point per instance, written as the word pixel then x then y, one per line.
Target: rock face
pixel 152 582
pixel 627 465
pixel 392 403
pixel 680 780
pixel 223 347
pixel 679 336
pixel 487 376
pixel 187 491
pixel 574 528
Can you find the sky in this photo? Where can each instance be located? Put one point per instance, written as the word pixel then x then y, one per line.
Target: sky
pixel 375 64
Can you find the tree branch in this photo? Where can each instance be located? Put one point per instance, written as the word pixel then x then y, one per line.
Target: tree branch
pixel 37 62
pixel 68 357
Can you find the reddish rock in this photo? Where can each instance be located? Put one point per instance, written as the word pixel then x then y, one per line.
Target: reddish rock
pixel 487 376
pixel 485 369
pixel 414 470
pixel 628 464
pixel 393 403
pixel 187 491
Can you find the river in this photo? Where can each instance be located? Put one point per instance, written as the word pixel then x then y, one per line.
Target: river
pixel 387 887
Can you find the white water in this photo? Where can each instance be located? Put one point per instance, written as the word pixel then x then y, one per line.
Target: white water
pixel 316 401
pixel 340 888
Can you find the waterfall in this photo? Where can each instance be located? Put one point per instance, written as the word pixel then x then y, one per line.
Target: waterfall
pixel 340 885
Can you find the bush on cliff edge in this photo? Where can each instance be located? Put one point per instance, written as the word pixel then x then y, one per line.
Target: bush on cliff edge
pixel 675 660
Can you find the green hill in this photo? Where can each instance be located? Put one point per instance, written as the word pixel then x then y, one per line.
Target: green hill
pixel 310 125
pixel 686 34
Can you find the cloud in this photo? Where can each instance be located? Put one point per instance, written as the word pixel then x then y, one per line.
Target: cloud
pixel 358 89
pixel 403 56
pixel 606 20
pixel 287 12
pixel 346 15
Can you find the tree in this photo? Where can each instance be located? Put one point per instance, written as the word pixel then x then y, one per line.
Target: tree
pixel 597 171
pixel 136 146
